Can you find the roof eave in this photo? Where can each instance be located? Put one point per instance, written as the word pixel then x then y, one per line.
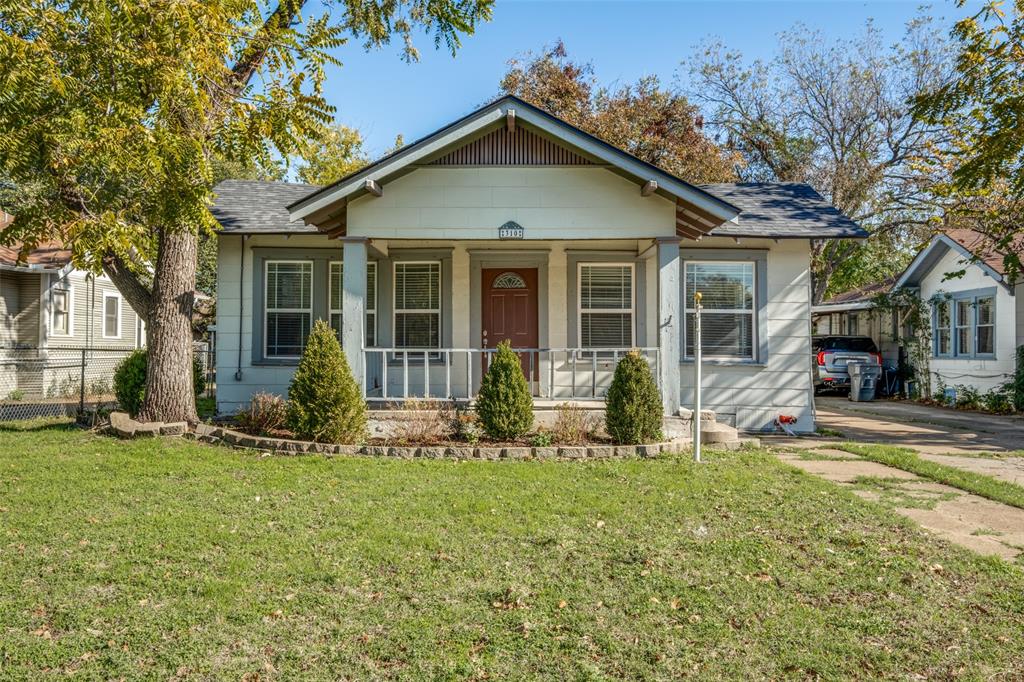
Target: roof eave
pixel 492 114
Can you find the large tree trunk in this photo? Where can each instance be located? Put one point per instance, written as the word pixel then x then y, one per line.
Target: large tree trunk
pixel 169 393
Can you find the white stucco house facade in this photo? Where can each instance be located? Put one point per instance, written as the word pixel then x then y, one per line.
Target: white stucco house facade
pixel 977 314
pixel 510 224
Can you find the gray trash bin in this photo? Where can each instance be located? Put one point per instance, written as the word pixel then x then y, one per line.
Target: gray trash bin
pixel 863 380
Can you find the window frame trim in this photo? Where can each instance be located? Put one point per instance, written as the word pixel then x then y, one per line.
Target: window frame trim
pixel 395 311
pixel 753 312
pixel 120 316
pixel 68 287
pixel 936 302
pixel 266 309
pixel 579 300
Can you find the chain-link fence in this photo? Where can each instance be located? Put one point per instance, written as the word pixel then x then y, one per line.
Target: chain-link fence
pixel 56 382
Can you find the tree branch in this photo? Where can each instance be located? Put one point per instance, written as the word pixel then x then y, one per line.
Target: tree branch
pixel 135 291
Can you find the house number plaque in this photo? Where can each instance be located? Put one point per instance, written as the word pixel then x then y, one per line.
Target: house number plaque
pixel 511 230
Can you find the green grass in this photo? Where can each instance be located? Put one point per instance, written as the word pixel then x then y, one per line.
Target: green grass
pixel 160 559
pixel 906 459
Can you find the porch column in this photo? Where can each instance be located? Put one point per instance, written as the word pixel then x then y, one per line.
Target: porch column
pixel 353 304
pixel 670 322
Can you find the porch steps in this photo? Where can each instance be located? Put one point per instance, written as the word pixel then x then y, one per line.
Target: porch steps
pixel 712 432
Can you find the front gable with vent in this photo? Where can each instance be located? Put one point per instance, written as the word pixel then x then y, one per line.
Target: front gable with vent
pixel 511 161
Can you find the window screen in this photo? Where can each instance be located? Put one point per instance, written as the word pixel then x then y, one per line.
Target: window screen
pixel 727 318
pixel 289 307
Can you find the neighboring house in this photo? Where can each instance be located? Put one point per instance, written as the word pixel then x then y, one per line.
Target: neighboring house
pixel 853 313
pixel 49 312
pixel 510 224
pixel 977 315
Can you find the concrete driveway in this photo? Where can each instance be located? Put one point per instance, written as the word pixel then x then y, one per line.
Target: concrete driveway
pixel 941 435
pixel 933 430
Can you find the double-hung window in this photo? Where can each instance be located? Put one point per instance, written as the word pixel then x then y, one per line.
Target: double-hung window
pixel 942 327
pixel 288 307
pixel 337 292
pixel 417 304
pixel 111 316
pixel 606 305
pixel 964 327
pixel 61 323
pixel 985 324
pixel 728 308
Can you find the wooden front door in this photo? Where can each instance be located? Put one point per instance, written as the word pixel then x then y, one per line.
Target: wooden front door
pixel 510 310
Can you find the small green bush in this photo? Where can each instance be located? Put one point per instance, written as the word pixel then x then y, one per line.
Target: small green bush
pixel 633 410
pixel 998 400
pixel 130 380
pixel 967 398
pixel 325 403
pixel 1017 383
pixel 504 405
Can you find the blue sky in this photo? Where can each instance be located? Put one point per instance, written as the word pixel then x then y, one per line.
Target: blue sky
pixel 382 96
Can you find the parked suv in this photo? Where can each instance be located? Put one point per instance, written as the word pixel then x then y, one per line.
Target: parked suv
pixel 833 353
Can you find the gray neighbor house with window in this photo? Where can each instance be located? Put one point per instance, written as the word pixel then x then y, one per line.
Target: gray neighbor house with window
pixel 511 224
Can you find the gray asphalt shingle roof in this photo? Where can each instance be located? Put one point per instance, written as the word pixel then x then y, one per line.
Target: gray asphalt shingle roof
pixel 776 210
pixel 781 210
pixel 258 206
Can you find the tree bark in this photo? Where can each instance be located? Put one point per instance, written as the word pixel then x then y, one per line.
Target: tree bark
pixel 138 295
pixel 169 392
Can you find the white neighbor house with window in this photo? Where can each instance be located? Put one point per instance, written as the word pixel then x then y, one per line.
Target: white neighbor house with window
pixel 977 315
pixel 510 224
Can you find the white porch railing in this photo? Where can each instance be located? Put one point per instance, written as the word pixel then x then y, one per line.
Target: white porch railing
pixel 579 374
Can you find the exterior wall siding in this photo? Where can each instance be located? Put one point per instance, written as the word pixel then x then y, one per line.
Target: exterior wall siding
pixel 550 203
pixel 749 395
pixel 10 306
pixel 983 374
pixel 87 314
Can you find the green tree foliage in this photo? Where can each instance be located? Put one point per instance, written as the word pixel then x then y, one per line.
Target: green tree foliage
pixel 653 122
pixel 336 154
pixel 633 410
pixel 130 380
pixel 981 108
pixel 325 403
pixel 112 115
pixel 504 404
pixel 834 115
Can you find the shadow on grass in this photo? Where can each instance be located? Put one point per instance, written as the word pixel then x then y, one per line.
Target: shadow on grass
pixel 39 425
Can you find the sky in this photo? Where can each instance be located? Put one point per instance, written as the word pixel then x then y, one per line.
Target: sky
pixel 383 96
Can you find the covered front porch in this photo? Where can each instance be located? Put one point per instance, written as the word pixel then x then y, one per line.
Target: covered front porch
pixel 419 320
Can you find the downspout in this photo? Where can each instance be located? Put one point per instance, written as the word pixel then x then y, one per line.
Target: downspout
pixel 241 306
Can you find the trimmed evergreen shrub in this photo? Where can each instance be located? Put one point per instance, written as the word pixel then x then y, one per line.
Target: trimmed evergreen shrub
pixel 324 400
pixel 130 380
pixel 504 405
pixel 633 410
pixel 1017 383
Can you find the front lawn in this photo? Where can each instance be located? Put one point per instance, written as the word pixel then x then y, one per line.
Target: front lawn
pixel 175 560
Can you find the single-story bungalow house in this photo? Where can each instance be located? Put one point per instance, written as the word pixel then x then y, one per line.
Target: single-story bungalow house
pixel 977 314
pixel 511 224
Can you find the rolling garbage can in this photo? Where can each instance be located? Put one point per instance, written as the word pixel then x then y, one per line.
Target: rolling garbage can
pixel 863 380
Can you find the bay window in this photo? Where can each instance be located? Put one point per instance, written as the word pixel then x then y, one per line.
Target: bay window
pixel 288 307
pixel 728 314
pixel 606 305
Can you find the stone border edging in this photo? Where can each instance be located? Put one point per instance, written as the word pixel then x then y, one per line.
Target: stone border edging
pixel 219 435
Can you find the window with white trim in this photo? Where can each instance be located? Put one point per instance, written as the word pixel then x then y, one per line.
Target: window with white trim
pixel 288 307
pixel 964 327
pixel 942 327
pixel 985 325
pixel 337 291
pixel 111 316
pixel 61 300
pixel 417 304
pixel 728 308
pixel 606 308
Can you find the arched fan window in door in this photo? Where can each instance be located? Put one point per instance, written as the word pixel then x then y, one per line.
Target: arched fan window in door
pixel 508 280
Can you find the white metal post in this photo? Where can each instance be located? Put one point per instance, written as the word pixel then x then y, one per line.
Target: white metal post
pixel 697 375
